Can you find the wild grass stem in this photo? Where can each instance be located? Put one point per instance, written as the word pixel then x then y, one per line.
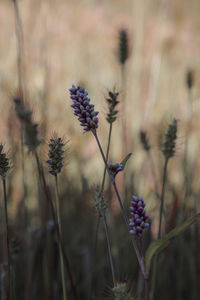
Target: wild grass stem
pixel 60 248
pixel 109 248
pixel 7 236
pixel 48 197
pixel 159 225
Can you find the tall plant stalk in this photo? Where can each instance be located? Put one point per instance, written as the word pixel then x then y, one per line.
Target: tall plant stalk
pixel 109 249
pixel 7 235
pixel 48 198
pixel 60 249
pixel 159 225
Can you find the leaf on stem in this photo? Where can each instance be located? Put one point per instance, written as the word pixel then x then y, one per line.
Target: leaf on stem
pixel 158 245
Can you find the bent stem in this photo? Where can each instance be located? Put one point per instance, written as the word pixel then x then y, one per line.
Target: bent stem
pixel 60 249
pixel 7 234
pixel 112 179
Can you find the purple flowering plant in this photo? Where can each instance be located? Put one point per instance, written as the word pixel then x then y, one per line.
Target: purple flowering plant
pixel 138 221
pixel 85 112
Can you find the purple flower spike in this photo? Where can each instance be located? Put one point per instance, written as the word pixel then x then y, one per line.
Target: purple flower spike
pixel 83 109
pixel 138 220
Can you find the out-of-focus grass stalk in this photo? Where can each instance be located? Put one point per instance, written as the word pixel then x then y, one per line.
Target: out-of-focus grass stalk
pixel 60 248
pixel 168 150
pixel 65 258
pixel 146 279
pixel 107 153
pixel 7 237
pixel 20 52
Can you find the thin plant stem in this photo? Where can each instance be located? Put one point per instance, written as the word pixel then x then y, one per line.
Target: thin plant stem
pixel 103 182
pixel 109 249
pixel 152 167
pixel 146 280
pixel 123 108
pixel 19 40
pixel 107 153
pixel 159 226
pixel 65 258
pixel 60 249
pixel 140 259
pixel 7 235
pixel 162 196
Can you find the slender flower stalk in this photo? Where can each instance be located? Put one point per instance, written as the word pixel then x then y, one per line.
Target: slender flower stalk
pixel 4 168
pixel 101 206
pixel 147 148
pixel 123 55
pixel 138 222
pixel 89 125
pixel 55 164
pixel 109 249
pixel 48 198
pixel 111 118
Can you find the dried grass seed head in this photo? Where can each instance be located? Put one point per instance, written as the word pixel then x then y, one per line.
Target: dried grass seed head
pixel 100 203
pixel 121 292
pixel 169 141
pixel 4 163
pixel 30 128
pixel 123 46
pixel 112 103
pixel 56 152
pixel 190 79
pixel 144 140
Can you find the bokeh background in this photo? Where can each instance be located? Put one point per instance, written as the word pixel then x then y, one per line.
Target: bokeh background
pixel 76 42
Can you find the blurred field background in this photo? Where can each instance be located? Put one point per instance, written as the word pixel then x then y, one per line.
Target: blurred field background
pixel 76 42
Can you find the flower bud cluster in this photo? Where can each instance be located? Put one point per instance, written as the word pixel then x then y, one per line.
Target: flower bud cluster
pixel 115 168
pixel 138 220
pixel 83 109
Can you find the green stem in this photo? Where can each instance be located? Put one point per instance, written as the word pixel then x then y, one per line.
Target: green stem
pixel 48 198
pixel 7 235
pixel 107 153
pixel 159 226
pixel 109 248
pixel 162 196
pixel 60 249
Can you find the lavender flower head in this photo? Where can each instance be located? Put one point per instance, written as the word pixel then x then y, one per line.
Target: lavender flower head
pixel 138 220
pixel 83 109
